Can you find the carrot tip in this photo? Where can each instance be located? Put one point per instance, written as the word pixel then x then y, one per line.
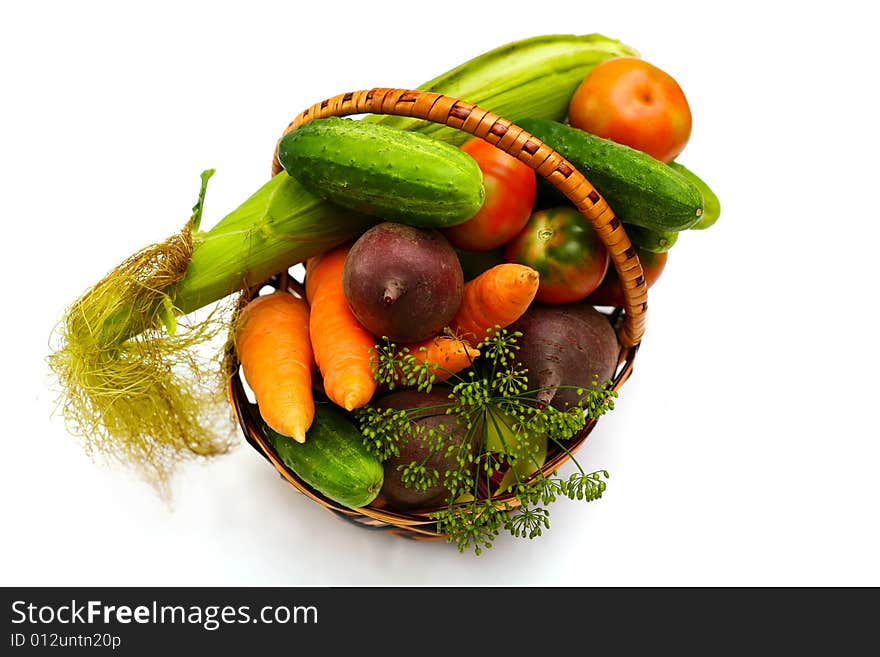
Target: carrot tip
pixel 351 401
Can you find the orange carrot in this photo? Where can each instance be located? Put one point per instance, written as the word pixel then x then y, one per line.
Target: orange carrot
pixel 499 296
pixel 449 354
pixel 342 345
pixel 272 342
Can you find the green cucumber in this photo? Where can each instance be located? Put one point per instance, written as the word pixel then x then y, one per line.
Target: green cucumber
pixel 642 191
pixel 333 460
pixel 381 171
pixel 651 240
pixel 711 204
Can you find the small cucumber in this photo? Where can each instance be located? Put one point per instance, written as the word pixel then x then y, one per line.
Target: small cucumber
pixel 711 204
pixel 333 460
pixel 651 240
pixel 381 171
pixel 642 191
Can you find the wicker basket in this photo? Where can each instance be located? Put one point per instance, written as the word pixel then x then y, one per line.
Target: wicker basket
pixel 629 320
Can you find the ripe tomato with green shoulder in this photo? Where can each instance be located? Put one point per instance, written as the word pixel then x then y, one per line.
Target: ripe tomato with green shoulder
pixel 610 292
pixel 632 102
pixel 565 250
pixel 510 194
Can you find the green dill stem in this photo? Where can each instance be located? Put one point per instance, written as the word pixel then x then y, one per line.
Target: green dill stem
pixel 488 485
pixel 425 460
pixel 457 376
pixel 420 412
pixel 469 440
pixel 532 391
pixel 570 454
pixel 475 489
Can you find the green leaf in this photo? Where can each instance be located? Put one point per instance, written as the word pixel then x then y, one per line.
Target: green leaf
pixel 200 204
pixel 167 315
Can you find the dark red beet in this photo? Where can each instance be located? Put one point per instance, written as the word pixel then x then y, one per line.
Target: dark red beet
pixel 402 282
pixel 566 346
pixel 393 488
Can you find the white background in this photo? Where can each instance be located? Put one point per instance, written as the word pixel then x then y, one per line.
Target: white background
pixel 744 450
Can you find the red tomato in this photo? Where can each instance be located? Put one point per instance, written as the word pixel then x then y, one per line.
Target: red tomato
pixel 510 194
pixel 610 293
pixel 633 102
pixel 565 250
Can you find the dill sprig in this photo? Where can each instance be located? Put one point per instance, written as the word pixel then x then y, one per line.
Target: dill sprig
pixel 489 405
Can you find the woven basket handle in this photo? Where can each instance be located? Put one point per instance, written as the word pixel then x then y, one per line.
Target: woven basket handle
pixel 520 144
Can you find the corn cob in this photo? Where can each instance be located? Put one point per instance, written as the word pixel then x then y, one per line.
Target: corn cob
pixel 533 77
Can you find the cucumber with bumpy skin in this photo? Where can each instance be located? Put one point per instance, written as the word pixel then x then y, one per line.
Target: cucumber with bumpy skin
pixel 642 191
pixel 389 173
pixel 711 204
pixel 333 459
pixel 651 240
